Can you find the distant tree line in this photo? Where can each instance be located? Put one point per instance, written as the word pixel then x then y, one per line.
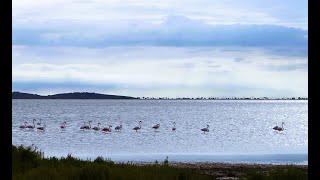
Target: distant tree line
pixel 226 98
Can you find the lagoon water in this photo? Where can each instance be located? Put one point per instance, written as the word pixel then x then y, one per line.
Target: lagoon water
pixel 240 130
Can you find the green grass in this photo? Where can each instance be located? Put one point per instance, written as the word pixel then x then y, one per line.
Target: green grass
pixel 29 163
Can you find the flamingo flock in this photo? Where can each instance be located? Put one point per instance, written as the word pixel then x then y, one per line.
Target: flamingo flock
pixel 108 129
pixel 40 128
pixel 86 127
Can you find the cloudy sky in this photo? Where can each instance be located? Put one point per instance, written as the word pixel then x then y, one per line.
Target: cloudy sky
pixel 170 48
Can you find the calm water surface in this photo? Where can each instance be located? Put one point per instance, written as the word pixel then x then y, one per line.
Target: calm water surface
pixel 240 131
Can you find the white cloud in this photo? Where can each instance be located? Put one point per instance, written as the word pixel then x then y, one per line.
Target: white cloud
pixel 138 70
pixel 44 12
pixel 206 71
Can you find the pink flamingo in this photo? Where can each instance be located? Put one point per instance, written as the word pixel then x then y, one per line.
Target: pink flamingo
pixel 39 123
pixel 174 126
pixel 84 125
pixel 205 129
pixel 63 125
pixel 97 128
pixel 118 128
pixel 279 128
pixel 88 127
pixel 23 126
pixel 42 128
pixel 156 126
pixel 30 126
pixel 138 127
pixel 107 129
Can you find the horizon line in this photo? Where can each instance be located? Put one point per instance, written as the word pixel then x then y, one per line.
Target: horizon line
pixel 182 97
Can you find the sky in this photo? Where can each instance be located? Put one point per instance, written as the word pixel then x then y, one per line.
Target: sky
pixel 167 48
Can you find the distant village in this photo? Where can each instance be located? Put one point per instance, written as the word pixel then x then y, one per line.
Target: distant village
pixel 226 98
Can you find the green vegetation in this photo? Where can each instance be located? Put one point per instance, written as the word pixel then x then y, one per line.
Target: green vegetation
pixel 29 163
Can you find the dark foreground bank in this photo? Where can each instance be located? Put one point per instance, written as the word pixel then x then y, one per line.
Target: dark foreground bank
pixel 28 163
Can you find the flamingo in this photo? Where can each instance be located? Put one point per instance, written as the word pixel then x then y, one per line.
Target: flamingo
pixel 23 126
pixel 174 126
pixel 107 129
pixel 279 128
pixel 30 126
pixel 138 127
pixel 63 125
pixel 89 127
pixel 39 123
pixel 84 125
pixel 205 129
pixel 42 128
pixel 156 126
pixel 118 127
pixel 97 128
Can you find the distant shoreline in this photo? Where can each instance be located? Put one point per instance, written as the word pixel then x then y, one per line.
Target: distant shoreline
pixel 87 95
pixel 170 99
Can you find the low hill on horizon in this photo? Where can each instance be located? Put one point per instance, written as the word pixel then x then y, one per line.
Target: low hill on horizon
pixel 73 95
pixel 21 95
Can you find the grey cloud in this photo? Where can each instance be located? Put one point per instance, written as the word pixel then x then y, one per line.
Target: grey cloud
pixel 175 31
